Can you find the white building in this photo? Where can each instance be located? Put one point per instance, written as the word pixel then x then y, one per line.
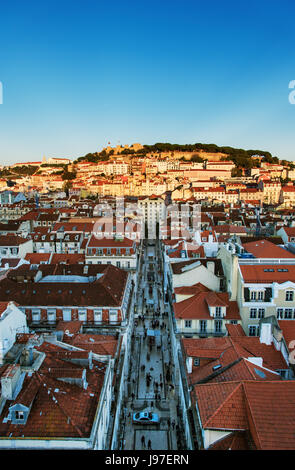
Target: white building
pixel 12 321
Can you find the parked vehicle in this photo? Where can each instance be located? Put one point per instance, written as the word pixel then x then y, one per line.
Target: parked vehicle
pixel 145 418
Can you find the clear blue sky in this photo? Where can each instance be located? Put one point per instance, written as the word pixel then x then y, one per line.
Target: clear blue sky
pixel 78 74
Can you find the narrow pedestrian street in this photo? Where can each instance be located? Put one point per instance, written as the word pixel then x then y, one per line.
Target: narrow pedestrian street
pixel 152 384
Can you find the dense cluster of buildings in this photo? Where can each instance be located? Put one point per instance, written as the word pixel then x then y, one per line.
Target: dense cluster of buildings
pixel 69 265
pixel 124 174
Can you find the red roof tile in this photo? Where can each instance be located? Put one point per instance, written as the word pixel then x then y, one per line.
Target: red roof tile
pixel 266 249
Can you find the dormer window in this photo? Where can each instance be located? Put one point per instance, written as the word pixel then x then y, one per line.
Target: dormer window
pixel 82 315
pixel 19 415
pixel 289 295
pixel 218 312
pixel 36 315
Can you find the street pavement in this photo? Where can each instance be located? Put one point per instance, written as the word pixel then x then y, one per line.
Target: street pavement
pixel 158 395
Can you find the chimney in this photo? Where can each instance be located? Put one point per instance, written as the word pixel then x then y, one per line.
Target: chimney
pixel 90 356
pixel 189 364
pixel 31 357
pixel 9 381
pixel 265 333
pixel 210 266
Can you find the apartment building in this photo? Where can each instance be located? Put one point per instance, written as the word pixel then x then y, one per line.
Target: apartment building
pixel 260 277
pixel 118 252
pixel 204 313
pixel 153 210
pixel 94 294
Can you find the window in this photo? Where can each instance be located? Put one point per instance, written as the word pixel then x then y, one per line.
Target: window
pixel 253 312
pixel 188 324
pixel 288 312
pixel 51 314
pixel 82 315
pixel 260 295
pixel 253 330
pixel 118 264
pixel 98 316
pixel 19 415
pixel 280 313
pixel 203 326
pixel 36 315
pixel 289 295
pixel 196 361
pixel 218 326
pixel 113 316
pixel 218 311
pixel 253 295
pixel 261 312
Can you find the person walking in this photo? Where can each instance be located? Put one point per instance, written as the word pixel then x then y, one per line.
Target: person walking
pixel 142 442
pixel 149 444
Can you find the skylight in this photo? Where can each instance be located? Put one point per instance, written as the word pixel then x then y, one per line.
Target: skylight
pixel 259 373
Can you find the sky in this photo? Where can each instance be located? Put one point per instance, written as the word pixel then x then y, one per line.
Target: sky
pixel 79 74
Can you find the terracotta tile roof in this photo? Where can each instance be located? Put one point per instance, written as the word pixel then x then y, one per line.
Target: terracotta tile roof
pixel 266 249
pixel 215 300
pixel 191 290
pixel 190 253
pixel 196 307
pixel 251 406
pixel 245 370
pixel 108 290
pixel 271 420
pixel 59 409
pixel 85 227
pixel 221 406
pixel 12 262
pixel 36 258
pixel 3 307
pixel 265 273
pixel 233 353
pixel 290 231
pixel 109 242
pixel 67 258
pixel 99 344
pixel 12 240
pixel 288 330
pixel 228 228
pixel 237 440
pixel 72 327
pixel 252 346
pixel 235 330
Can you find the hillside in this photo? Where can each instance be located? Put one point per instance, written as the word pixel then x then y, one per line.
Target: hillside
pixel 241 157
